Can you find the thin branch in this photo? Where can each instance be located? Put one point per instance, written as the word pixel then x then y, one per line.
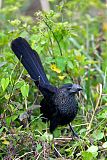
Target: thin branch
pixel 96 107
pixel 14 83
pixel 63 138
pixel 54 36
pixel 23 155
pixel 39 155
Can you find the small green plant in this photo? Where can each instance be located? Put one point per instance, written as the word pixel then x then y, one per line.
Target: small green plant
pixel 71 42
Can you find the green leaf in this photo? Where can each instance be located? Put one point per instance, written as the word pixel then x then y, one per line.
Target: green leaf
pixel 20 84
pixel 25 90
pixel 70 65
pixel 39 147
pixel 7 96
pixel 75 43
pixel 98 135
pixel 14 117
pixel 1 129
pixel 61 62
pixel 4 83
pixel 8 121
pixel 83 130
pixel 47 137
pixel 57 133
pixel 104 145
pixel 87 155
pixel 2 64
pixel 94 150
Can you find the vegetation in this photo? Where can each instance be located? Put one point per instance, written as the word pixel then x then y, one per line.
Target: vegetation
pixel 72 43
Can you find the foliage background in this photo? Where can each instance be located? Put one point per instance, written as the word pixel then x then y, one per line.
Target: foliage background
pixel 72 42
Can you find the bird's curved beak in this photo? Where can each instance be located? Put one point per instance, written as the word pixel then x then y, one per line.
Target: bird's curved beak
pixel 75 88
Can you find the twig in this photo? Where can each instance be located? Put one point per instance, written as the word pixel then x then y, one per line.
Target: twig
pixel 54 36
pixel 63 138
pixel 78 125
pixel 14 83
pixel 96 107
pixel 102 150
pixel 44 150
pixel 39 155
pixel 26 103
pixel 51 46
pixel 23 155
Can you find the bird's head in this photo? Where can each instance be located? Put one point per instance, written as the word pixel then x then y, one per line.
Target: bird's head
pixel 72 88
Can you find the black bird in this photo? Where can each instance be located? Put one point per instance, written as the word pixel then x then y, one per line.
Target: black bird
pixel 59 105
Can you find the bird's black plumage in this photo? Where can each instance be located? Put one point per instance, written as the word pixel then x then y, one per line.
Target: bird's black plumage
pixel 59 105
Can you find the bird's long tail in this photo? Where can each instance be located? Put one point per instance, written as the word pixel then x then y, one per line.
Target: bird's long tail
pixel 30 60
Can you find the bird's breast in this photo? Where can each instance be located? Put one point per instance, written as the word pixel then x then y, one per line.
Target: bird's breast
pixel 66 104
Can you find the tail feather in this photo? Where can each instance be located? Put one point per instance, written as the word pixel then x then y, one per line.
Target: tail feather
pixel 30 60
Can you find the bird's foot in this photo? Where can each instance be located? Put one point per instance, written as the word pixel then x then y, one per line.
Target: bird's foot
pixel 73 132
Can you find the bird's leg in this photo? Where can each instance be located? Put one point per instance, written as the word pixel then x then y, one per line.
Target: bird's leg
pixel 74 133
